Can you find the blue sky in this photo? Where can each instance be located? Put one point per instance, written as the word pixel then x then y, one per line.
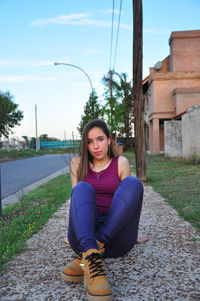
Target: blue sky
pixel 35 34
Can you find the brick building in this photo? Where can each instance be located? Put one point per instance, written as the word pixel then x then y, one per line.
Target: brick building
pixel 172 86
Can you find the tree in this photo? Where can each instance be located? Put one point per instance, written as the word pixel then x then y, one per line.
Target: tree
pixel 10 116
pixel 44 137
pixel 118 107
pixel 32 142
pixel 111 110
pixel 124 94
pixel 91 111
pixel 27 142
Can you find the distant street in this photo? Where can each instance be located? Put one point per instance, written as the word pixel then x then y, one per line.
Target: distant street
pixel 17 174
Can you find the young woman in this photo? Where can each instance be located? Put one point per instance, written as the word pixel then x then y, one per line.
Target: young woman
pixel 105 210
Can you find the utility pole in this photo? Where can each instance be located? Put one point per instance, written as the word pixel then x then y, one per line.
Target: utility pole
pixel 138 92
pixel 73 141
pixel 36 131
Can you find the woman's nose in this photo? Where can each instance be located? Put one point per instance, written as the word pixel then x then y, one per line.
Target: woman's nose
pixel 96 144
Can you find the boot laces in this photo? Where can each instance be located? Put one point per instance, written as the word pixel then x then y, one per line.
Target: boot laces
pixel 96 265
pixel 78 256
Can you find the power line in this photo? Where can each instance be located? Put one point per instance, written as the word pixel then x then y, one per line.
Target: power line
pixel 111 40
pixel 120 9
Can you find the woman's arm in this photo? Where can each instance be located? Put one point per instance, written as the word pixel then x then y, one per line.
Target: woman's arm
pixel 73 170
pixel 123 167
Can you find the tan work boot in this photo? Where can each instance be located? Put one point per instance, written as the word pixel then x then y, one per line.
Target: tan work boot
pixel 73 272
pixel 101 247
pixel 95 280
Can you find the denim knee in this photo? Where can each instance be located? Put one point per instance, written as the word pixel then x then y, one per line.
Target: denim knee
pixel 83 187
pixel 133 183
pixel 83 193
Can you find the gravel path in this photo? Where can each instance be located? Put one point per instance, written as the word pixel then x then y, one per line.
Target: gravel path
pixel 165 268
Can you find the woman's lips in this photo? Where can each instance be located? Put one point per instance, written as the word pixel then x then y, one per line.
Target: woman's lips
pixel 97 153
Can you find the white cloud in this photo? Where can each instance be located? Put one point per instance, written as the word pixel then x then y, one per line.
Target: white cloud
pixel 84 20
pixel 77 20
pixel 64 19
pixel 25 78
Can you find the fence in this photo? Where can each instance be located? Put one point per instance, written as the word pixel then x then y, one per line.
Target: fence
pixel 59 144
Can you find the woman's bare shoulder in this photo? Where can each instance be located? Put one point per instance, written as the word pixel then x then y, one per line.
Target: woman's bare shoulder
pixel 123 167
pixel 123 160
pixel 75 161
pixel 74 169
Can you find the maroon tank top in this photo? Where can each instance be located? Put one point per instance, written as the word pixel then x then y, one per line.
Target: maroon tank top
pixel 104 183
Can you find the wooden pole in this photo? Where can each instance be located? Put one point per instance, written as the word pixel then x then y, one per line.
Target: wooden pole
pixel 138 92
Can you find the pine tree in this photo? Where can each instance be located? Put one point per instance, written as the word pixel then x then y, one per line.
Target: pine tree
pixel 91 111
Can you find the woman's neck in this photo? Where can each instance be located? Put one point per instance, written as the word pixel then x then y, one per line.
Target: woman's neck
pixel 99 165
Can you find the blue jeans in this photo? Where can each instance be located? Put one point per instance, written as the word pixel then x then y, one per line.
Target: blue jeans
pixel 117 229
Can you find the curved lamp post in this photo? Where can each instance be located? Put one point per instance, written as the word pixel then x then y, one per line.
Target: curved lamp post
pixel 77 68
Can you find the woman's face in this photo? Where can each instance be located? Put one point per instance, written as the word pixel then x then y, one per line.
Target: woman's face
pixel 98 143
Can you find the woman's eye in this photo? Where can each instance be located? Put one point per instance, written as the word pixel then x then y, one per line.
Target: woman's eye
pixel 101 139
pixel 89 142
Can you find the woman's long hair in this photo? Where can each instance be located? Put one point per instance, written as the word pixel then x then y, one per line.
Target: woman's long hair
pixel 84 155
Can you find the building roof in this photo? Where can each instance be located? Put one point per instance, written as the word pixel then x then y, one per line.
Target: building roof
pixel 145 84
pixel 178 116
pixel 145 79
pixel 184 34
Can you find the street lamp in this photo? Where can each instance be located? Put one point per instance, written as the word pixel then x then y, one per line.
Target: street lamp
pixel 77 68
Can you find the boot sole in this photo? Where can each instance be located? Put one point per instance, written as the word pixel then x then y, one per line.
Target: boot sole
pixel 70 278
pixel 99 298
pixel 96 297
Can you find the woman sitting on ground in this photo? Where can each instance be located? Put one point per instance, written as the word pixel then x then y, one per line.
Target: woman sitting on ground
pixel 105 209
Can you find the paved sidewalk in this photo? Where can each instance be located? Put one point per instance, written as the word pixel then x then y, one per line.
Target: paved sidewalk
pixel 165 268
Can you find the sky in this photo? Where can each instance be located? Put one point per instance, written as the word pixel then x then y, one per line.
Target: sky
pixel 35 34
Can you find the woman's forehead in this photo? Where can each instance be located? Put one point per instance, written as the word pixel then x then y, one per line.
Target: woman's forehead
pixel 95 132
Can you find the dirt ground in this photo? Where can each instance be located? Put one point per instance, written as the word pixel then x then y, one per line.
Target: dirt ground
pixel 165 268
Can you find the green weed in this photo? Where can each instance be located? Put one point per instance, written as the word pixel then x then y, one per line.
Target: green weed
pixel 178 181
pixel 26 217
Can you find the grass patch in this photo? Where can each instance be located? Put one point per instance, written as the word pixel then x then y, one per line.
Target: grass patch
pixel 178 181
pixel 26 153
pixel 26 217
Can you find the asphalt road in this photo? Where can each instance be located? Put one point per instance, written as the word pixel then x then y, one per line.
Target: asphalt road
pixel 17 174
